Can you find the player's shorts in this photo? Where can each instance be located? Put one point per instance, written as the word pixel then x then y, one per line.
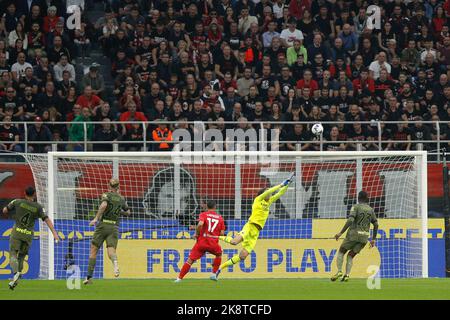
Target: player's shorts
pixel 355 246
pixel 250 234
pixel 106 232
pixel 19 245
pixel 200 248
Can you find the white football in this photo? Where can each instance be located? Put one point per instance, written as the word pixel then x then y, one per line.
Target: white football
pixel 317 129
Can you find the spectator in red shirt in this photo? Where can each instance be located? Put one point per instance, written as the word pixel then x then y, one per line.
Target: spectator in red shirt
pixel 50 20
pixel 307 82
pixel 364 81
pixel 296 8
pixel 89 100
pixel 131 115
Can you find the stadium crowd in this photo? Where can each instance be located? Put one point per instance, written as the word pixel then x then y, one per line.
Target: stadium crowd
pixel 226 60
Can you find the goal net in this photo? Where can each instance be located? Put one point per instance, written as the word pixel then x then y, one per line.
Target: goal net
pixel 167 191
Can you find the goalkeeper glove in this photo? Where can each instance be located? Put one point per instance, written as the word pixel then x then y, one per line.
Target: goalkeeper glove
pixel 286 182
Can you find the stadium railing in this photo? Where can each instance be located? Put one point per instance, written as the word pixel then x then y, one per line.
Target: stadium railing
pixel 434 147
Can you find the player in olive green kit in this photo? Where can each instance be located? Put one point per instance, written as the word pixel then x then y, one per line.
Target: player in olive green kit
pixel 107 227
pixel 27 211
pixel 358 225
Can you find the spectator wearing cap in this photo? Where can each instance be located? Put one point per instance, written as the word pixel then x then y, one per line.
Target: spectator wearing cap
pixel 290 34
pixel 94 79
pixel 39 132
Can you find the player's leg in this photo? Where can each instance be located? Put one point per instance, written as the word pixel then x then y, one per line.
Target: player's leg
pixel 339 261
pixel 357 247
pixel 234 241
pixel 217 251
pixel 185 269
pixel 14 251
pixel 196 253
pixel 250 235
pixel 91 264
pixel 112 240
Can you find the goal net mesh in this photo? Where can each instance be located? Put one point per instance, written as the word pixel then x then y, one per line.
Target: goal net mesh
pixel 166 195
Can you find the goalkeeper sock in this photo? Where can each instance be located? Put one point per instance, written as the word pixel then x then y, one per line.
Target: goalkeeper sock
pixel 14 263
pixel 225 239
pixel 216 264
pixel 91 267
pixel 348 266
pixel 185 269
pixel 339 261
pixel 230 262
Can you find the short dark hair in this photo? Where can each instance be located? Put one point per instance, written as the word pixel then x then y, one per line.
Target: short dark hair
pixel 211 204
pixel 363 197
pixel 30 191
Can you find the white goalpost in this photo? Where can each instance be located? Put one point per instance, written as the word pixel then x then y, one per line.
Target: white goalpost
pixel 167 190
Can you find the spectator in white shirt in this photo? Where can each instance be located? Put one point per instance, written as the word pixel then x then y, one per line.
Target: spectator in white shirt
pixel 428 50
pixel 246 20
pixel 379 64
pixel 277 9
pixel 290 34
pixel 62 66
pixel 18 68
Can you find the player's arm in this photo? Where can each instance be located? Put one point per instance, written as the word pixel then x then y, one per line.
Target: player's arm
pixel 278 195
pixel 9 207
pixel 348 223
pixel 268 192
pixel 125 210
pixel 100 212
pixel 50 225
pixel 198 229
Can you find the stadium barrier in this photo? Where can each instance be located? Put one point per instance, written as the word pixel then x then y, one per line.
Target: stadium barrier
pixel 261 139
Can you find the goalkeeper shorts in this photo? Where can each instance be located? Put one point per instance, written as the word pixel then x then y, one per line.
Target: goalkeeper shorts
pixel 250 234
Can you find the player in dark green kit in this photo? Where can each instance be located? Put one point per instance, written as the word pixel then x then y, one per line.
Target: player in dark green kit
pixel 112 206
pixel 358 225
pixel 27 211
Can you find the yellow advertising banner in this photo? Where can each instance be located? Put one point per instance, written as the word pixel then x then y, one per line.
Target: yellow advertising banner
pixel 388 228
pixel 281 258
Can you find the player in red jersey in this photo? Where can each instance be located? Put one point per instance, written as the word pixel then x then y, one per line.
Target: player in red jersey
pixel 210 227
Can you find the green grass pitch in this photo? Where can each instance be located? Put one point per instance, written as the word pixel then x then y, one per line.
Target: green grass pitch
pixel 230 289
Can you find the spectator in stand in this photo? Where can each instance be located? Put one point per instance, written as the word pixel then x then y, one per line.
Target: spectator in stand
pixel 39 132
pixel 290 34
pixel 106 133
pixel 77 132
pixel 378 65
pixel 61 66
pixel 89 100
pixel 162 135
pixel 9 136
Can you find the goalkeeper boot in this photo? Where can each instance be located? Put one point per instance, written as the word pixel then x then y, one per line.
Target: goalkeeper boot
pixel 15 281
pixel 336 276
pixel 345 278
pixel 88 280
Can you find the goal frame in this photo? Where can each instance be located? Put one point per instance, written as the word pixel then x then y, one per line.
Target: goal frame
pixel 419 156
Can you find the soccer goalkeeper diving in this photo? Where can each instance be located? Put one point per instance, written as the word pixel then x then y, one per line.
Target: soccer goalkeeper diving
pixel 250 232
